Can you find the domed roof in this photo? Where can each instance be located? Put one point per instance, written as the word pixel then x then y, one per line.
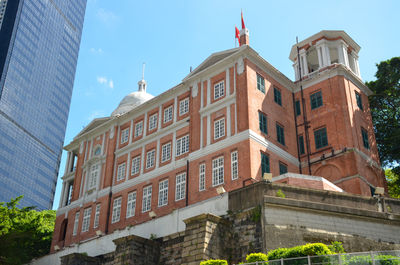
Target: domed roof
pixel 133 100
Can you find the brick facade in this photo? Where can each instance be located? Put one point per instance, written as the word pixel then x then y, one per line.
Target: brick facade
pixel 214 124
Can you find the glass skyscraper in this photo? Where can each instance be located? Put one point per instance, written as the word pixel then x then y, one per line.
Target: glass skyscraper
pixel 39 45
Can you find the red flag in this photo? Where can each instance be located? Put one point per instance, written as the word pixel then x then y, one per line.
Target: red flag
pixel 237 34
pixel 243 26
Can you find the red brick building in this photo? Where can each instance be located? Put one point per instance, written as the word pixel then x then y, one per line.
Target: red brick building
pixel 230 120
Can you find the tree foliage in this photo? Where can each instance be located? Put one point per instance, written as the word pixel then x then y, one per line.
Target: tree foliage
pixel 385 111
pixel 393 181
pixel 24 233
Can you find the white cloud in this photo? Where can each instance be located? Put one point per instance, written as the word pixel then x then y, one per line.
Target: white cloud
pixel 106 16
pixel 96 51
pixel 102 80
pixel 105 81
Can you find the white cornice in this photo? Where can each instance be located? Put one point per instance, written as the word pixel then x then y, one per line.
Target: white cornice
pixel 274 148
pixel 337 70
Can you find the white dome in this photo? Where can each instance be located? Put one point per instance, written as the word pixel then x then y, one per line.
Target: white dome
pixel 131 101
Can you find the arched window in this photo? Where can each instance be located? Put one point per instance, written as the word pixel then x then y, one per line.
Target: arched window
pixel 97 151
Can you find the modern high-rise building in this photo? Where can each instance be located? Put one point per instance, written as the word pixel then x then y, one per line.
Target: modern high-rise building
pixel 39 45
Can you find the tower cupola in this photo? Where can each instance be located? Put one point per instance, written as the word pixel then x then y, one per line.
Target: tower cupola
pixel 322 50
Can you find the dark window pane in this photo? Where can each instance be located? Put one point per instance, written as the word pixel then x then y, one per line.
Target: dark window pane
pixel 321 139
pixel 316 100
pixel 280 133
pixel 365 138
pixel 301 145
pixel 277 96
pixel 282 169
pixel 263 122
pixel 359 101
pixel 264 164
pixel 298 108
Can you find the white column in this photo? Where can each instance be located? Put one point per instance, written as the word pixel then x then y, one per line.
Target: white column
pixel 201 94
pixel 157 160
pixel 228 91
pixel 130 134
pixel 160 117
pixel 208 129
pixel 142 158
pixel 296 71
pixel 62 201
pixel 176 108
pixel 303 63
pixel 342 50
pixel 144 125
pixel 208 101
pixel 327 55
pixel 173 147
pixel 127 167
pixel 320 56
pixel 228 121
pixel 201 131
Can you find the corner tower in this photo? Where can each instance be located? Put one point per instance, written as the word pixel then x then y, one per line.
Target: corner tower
pixel 335 133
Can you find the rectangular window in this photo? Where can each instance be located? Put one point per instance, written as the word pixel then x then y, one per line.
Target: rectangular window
pixel 97 216
pixel 364 134
pixel 234 165
pixel 125 136
pixel 219 90
pixel 298 107
pixel 316 100
pixel 168 114
pixel 163 193
pixel 131 204
pixel 146 203
pixel 180 191
pixel 166 152
pixel 260 83
pixel 183 106
pixel 282 168
pixel 218 171
pixel 76 223
pixel 219 128
pixel 301 145
pixel 121 171
pixel 277 96
pixel 264 164
pixel 135 165
pixel 116 213
pixel 94 174
pixel 182 145
pixel 202 177
pixel 263 122
pixel 153 121
pixel 139 128
pixel 321 139
pixel 86 219
pixel 359 101
pixel 280 134
pixel 150 157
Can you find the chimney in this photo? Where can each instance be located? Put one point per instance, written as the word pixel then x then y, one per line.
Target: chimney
pixel 244 37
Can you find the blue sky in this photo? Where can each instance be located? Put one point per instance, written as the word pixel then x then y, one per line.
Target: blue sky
pixel 170 36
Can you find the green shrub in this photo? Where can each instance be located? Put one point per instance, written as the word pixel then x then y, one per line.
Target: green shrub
pixel 336 247
pixel 379 259
pixel 214 262
pixel 299 251
pixel 280 194
pixel 253 257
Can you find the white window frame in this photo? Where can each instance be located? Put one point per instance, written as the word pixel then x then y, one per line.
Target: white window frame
pixel 219 90
pixel 234 165
pixel 131 204
pixel 219 128
pixel 135 169
pixel 218 171
pixel 180 191
pixel 146 202
pixel 97 216
pixel 166 152
pixel 86 219
pixel 93 176
pixel 76 223
pixel 139 129
pixel 182 145
pixel 116 213
pixel 153 121
pixel 202 176
pixel 124 136
pixel 163 193
pixel 168 114
pixel 121 171
pixel 184 106
pixel 150 158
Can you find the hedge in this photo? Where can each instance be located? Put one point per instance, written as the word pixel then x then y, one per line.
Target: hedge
pixel 214 262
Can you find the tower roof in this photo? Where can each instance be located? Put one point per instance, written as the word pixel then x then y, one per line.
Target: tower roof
pixel 328 35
